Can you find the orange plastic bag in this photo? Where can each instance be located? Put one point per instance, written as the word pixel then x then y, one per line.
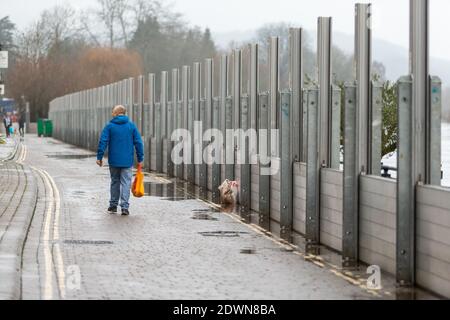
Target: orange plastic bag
pixel 138 188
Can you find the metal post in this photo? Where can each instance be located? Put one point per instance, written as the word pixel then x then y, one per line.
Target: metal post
pixel 254 85
pixel 185 89
pixel 158 137
pixel 274 64
pixel 163 100
pixel 237 79
pixel 363 57
pixel 169 143
pixel 313 174
pixel 419 69
pixel 223 85
pixel 151 101
pixel 177 115
pixel 150 117
pixel 245 185
pixel 324 78
pixel 191 167
pixel 296 85
pixel 207 113
pixel 286 177
pixel 335 142
pixel 350 241
pixel 264 178
pixel 376 128
pixel 140 106
pixel 434 154
pixel 196 86
pixel 203 169
pixel 215 166
pixel 304 151
pixel 229 147
pixel 405 185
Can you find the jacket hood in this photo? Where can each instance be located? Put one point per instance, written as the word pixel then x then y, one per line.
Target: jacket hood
pixel 120 120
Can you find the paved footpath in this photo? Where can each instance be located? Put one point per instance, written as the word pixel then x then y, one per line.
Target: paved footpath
pixel 169 248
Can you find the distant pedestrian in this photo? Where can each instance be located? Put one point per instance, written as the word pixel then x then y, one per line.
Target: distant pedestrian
pixel 121 138
pixel 22 125
pixel 7 122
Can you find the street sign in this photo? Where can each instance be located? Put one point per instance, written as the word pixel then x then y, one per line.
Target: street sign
pixel 3 59
pixel 2 89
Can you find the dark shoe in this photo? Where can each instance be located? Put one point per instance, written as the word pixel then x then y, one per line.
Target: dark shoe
pixel 125 212
pixel 112 210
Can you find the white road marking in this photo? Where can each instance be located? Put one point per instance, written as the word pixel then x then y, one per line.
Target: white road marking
pixel 54 206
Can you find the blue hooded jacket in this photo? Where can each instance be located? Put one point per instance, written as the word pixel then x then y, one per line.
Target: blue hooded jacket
pixel 121 137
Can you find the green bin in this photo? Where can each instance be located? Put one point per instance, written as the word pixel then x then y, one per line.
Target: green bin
pixel 48 128
pixel 40 127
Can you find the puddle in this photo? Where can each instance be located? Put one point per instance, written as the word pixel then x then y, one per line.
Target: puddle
pixel 71 156
pixel 166 191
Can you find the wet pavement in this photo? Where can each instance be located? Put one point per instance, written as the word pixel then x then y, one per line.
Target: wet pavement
pixel 175 244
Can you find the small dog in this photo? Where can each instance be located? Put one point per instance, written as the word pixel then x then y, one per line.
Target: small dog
pixel 229 192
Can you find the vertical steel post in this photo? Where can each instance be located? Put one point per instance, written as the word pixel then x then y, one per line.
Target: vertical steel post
pixel 203 169
pixel 245 185
pixel 363 57
pixel 163 100
pixel 313 173
pixel 237 79
pixel 151 102
pixel 350 238
pixel 296 85
pixel 405 184
pixel 435 109
pixel 335 142
pixel 304 151
pixel 419 69
pixel 376 128
pixel 191 117
pixel 169 143
pixel 264 143
pixel 185 89
pixel 223 90
pixel 196 86
pixel 175 116
pixel 209 73
pixel 178 107
pixel 324 78
pixel 286 177
pixel 158 137
pixel 254 85
pixel 229 147
pixel 140 106
pixel 150 117
pixel 216 166
pixel 274 84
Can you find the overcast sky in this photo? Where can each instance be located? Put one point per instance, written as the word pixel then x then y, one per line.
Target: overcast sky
pixel 390 17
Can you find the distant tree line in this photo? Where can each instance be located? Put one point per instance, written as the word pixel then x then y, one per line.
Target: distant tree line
pixel 66 50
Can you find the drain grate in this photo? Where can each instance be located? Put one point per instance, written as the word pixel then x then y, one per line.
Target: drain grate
pixel 222 234
pixel 248 251
pixel 203 216
pixel 88 242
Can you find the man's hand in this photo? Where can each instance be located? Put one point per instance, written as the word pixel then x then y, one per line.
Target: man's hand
pixel 100 163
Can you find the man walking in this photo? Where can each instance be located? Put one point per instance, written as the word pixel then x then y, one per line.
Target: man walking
pixel 121 137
